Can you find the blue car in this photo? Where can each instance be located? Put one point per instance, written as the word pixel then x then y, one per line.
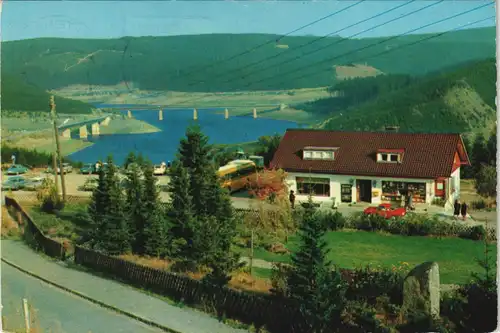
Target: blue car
pixel 17 169
pixel 14 183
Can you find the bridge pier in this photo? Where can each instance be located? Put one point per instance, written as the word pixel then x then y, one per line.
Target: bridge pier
pixel 83 132
pixel 96 130
pixel 254 113
pixel 66 133
pixel 226 114
pixel 160 114
pixel 129 114
pixel 106 121
pixel 195 114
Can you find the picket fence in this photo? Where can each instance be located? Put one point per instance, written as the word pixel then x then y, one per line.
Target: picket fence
pixel 33 235
pixel 252 308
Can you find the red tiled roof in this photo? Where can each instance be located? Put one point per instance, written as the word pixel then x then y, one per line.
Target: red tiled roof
pixel 426 155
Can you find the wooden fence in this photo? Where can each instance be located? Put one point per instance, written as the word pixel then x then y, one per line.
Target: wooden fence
pixel 251 308
pixel 32 234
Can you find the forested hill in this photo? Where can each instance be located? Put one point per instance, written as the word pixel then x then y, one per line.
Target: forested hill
pixel 459 101
pixel 181 62
pixel 20 96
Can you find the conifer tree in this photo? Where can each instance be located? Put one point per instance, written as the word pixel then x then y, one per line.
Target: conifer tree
pixel 131 158
pixel 152 237
pixel 135 207
pixel 194 153
pixel 480 153
pixel 97 207
pixel 181 214
pixel 312 285
pixel 113 236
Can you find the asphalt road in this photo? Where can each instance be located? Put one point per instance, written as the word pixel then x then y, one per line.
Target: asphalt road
pixel 57 311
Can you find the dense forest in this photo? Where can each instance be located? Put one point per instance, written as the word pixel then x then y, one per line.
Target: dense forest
pixel 20 96
pixel 459 101
pixel 199 62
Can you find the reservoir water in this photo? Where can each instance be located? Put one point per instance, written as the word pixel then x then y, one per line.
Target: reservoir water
pixel 162 146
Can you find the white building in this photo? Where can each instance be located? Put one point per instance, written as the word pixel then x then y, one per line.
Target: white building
pixel 372 167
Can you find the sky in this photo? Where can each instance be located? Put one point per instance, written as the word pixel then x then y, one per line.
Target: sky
pixel 114 19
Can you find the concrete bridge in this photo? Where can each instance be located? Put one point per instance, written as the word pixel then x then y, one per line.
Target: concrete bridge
pixel 95 125
pixel 195 113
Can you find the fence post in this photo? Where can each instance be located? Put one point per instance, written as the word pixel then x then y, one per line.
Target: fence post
pixel 26 315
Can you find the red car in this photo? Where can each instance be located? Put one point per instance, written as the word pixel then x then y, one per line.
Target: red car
pixel 385 210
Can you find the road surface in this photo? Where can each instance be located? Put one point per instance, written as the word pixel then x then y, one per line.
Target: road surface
pixel 57 311
pixel 185 320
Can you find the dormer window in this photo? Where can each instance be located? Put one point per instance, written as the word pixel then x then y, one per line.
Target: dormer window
pixel 390 155
pixel 320 153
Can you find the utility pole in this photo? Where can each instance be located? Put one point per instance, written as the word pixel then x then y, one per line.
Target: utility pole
pixel 58 147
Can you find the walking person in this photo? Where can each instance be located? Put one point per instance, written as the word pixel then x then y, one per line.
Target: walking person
pixel 410 201
pixel 292 199
pixel 456 210
pixel 463 210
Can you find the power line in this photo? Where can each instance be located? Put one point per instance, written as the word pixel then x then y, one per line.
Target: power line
pixel 311 42
pixel 416 42
pixel 359 49
pixel 378 43
pixel 274 40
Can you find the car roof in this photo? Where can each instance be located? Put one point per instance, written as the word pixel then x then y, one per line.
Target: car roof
pixel 15 177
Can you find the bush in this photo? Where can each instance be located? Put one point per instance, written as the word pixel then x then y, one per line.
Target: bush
pixel 477 232
pixel 479 204
pixel 332 221
pixel 47 196
pixel 438 202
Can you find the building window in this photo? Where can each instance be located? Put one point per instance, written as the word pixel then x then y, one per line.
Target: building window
pixel 318 153
pixel 389 158
pixel 346 193
pixel 313 186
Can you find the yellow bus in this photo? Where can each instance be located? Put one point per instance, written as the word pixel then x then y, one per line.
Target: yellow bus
pixel 235 175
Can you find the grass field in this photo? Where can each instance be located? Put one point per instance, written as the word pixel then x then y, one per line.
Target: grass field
pixel 456 257
pixel 128 126
pixel 349 249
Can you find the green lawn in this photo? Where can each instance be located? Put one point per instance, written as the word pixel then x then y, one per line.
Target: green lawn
pixel 349 249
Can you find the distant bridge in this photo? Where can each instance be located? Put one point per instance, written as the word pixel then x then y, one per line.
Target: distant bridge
pixel 140 107
pixel 95 123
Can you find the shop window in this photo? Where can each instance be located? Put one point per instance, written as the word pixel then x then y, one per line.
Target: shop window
pixel 346 193
pixel 394 191
pixel 313 186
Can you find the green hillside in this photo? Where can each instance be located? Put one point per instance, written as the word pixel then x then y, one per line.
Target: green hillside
pixel 176 62
pixel 20 96
pixel 458 101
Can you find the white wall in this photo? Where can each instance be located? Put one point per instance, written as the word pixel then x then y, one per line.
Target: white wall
pixel 337 180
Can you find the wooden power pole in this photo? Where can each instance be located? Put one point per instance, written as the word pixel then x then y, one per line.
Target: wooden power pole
pixel 58 147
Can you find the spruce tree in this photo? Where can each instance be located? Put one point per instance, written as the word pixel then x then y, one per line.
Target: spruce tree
pixel 135 207
pixel 129 160
pixel 113 236
pixel 152 237
pixel 181 213
pixel 194 153
pixel 312 285
pixel 97 207
pixel 480 153
pixel 492 148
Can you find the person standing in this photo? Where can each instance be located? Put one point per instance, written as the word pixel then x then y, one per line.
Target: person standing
pixel 292 199
pixel 13 158
pixel 463 210
pixel 456 211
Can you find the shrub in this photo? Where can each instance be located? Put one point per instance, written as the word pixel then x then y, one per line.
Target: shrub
pixel 48 197
pixel 279 276
pixel 332 221
pixel 368 283
pixel 479 204
pixel 438 202
pixel 477 232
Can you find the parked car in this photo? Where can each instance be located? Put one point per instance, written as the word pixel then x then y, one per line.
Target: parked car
pixel 33 184
pixel 89 185
pixel 14 183
pixel 160 169
pixel 88 168
pixel 17 169
pixel 67 168
pixel 385 210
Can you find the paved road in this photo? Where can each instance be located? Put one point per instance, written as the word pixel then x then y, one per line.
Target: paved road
pixel 128 299
pixel 58 311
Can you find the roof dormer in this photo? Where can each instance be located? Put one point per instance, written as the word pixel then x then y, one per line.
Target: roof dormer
pixel 390 155
pixel 319 153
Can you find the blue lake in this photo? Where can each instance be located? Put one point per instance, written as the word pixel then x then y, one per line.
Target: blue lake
pixel 162 146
